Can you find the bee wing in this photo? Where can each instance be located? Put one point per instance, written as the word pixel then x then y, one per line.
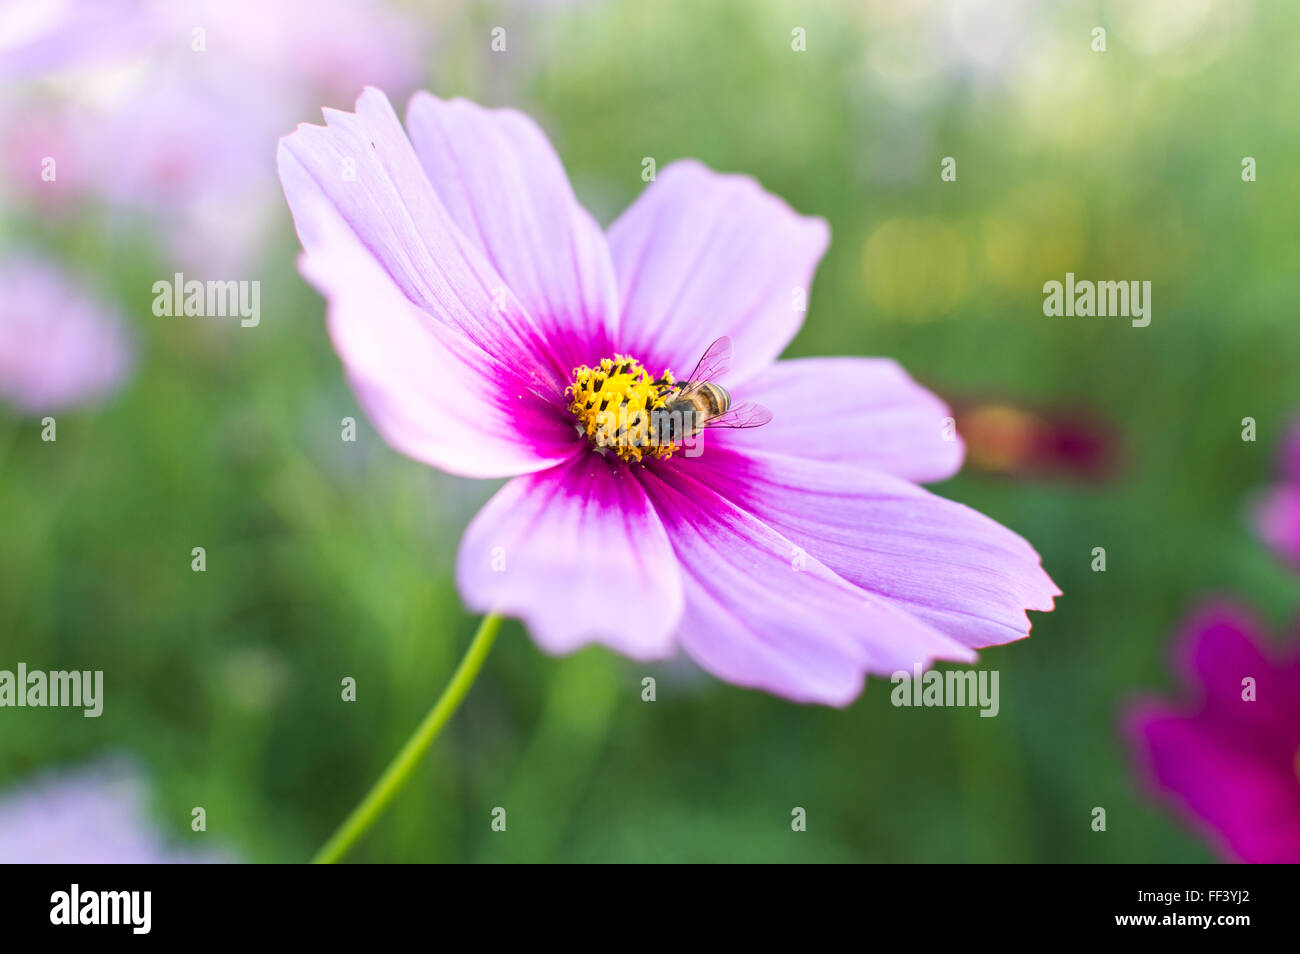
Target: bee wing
pixel 744 414
pixel 713 363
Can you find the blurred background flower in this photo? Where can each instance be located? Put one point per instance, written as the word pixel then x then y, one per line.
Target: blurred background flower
pixel 37 39
pixel 1023 441
pixel 1275 512
pixel 94 814
pixel 1230 763
pixel 59 345
pixel 172 114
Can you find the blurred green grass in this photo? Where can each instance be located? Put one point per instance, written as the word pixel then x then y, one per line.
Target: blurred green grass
pixel 327 560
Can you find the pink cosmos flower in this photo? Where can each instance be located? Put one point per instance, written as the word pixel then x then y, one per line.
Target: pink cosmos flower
pixel 1275 513
pixel 59 346
pixel 472 301
pixel 1230 762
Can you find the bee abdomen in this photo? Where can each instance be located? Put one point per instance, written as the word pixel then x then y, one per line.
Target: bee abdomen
pixel 715 399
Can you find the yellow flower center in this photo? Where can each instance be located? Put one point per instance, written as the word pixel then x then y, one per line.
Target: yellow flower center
pixel 614 403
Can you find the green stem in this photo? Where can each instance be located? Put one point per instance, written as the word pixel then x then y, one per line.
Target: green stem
pixel 400 769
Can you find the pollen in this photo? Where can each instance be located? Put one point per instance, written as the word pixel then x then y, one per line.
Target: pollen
pixel 614 404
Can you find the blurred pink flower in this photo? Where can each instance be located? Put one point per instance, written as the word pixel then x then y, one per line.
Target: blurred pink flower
pixel 53 36
pixel 93 815
pixel 1275 512
pixel 1229 762
pixel 197 166
pixel 306 47
pixel 59 345
pixel 181 124
pixel 467 287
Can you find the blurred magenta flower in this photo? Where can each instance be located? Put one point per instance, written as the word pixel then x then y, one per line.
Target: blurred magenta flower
pixel 59 346
pixel 1230 763
pixel 95 814
pixel 1275 513
pixel 1029 442
pixel 468 289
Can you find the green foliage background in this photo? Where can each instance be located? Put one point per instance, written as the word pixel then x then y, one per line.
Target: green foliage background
pixel 327 559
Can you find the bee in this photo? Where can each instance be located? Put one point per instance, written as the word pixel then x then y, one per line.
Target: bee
pixel 700 402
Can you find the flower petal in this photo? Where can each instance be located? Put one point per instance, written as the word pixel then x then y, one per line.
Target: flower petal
pixel 360 169
pixel 1220 647
pixel 1248 807
pixel 432 394
pixel 942 562
pixel 506 190
pixel 579 555
pixel 863 412
pixel 759 615
pixel 450 374
pixel 700 255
